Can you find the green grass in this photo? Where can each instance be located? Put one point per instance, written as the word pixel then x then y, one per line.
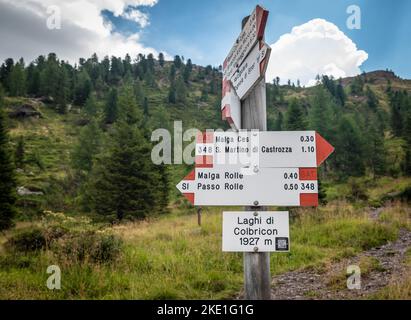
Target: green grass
pixel 173 258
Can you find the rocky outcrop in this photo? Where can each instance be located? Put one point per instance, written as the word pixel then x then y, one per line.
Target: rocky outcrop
pixel 25 111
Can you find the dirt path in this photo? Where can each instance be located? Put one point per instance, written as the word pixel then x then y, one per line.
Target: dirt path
pixel 382 264
pixel 378 267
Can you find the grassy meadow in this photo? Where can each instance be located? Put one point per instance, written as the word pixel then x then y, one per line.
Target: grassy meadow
pixel 171 257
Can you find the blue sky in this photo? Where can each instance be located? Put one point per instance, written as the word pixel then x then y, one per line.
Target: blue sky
pixel 307 37
pixel 205 30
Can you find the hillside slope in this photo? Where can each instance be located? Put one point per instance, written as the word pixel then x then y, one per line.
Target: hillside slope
pixel 49 139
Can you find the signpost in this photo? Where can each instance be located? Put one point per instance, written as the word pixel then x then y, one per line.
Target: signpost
pixel 266 149
pixel 265 231
pixel 254 169
pixel 227 186
pixel 252 31
pixel 248 40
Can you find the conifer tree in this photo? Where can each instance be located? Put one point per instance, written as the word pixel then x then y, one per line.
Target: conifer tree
pixel 177 62
pixel 407 136
pixel 375 150
pixel 161 59
pixel 278 126
pixel 181 90
pixel 17 80
pixel 33 80
pixel 88 146
pixel 49 75
pixel 320 115
pixel 7 175
pixel 61 94
pixel 83 88
pixel 139 92
pixel 372 99
pixel 164 188
pixel 5 70
pixel 145 107
pixel 172 75
pixel 396 114
pixel 125 182
pixel 111 108
pixel 340 94
pixel 187 71
pixel 127 106
pixel 150 62
pixel 322 195
pixel 90 108
pixel 295 119
pixel 349 142
pixel 172 94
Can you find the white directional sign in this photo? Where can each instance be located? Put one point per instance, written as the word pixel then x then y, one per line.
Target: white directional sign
pixel 266 149
pixel 250 34
pixel 230 186
pixel 261 231
pixel 251 70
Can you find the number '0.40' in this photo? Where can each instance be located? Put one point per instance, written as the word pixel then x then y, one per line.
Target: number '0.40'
pixel 290 175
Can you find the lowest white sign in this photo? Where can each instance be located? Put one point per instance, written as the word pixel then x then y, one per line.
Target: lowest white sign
pixel 256 231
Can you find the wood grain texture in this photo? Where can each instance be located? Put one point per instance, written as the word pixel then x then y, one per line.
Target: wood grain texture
pixel 257 278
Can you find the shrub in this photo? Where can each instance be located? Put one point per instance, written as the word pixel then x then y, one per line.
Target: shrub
pixel 357 190
pixel 89 247
pixel 27 241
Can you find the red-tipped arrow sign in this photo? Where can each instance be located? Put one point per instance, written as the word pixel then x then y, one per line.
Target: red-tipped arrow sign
pixel 264 187
pixel 245 65
pixel 267 149
pixel 252 32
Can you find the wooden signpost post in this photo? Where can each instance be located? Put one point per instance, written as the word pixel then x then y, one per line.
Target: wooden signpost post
pixel 254 169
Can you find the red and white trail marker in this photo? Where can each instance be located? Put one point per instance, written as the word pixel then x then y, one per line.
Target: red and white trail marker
pixel 249 40
pixel 252 32
pixel 231 106
pixel 228 186
pixel 265 149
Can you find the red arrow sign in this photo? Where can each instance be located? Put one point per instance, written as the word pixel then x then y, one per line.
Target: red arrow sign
pixel 323 149
pixel 227 186
pixel 267 149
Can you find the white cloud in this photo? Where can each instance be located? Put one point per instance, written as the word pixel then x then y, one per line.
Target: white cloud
pixel 315 47
pixel 137 16
pixel 23 26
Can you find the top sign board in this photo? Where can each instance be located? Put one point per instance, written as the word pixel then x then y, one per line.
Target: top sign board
pixel 250 34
